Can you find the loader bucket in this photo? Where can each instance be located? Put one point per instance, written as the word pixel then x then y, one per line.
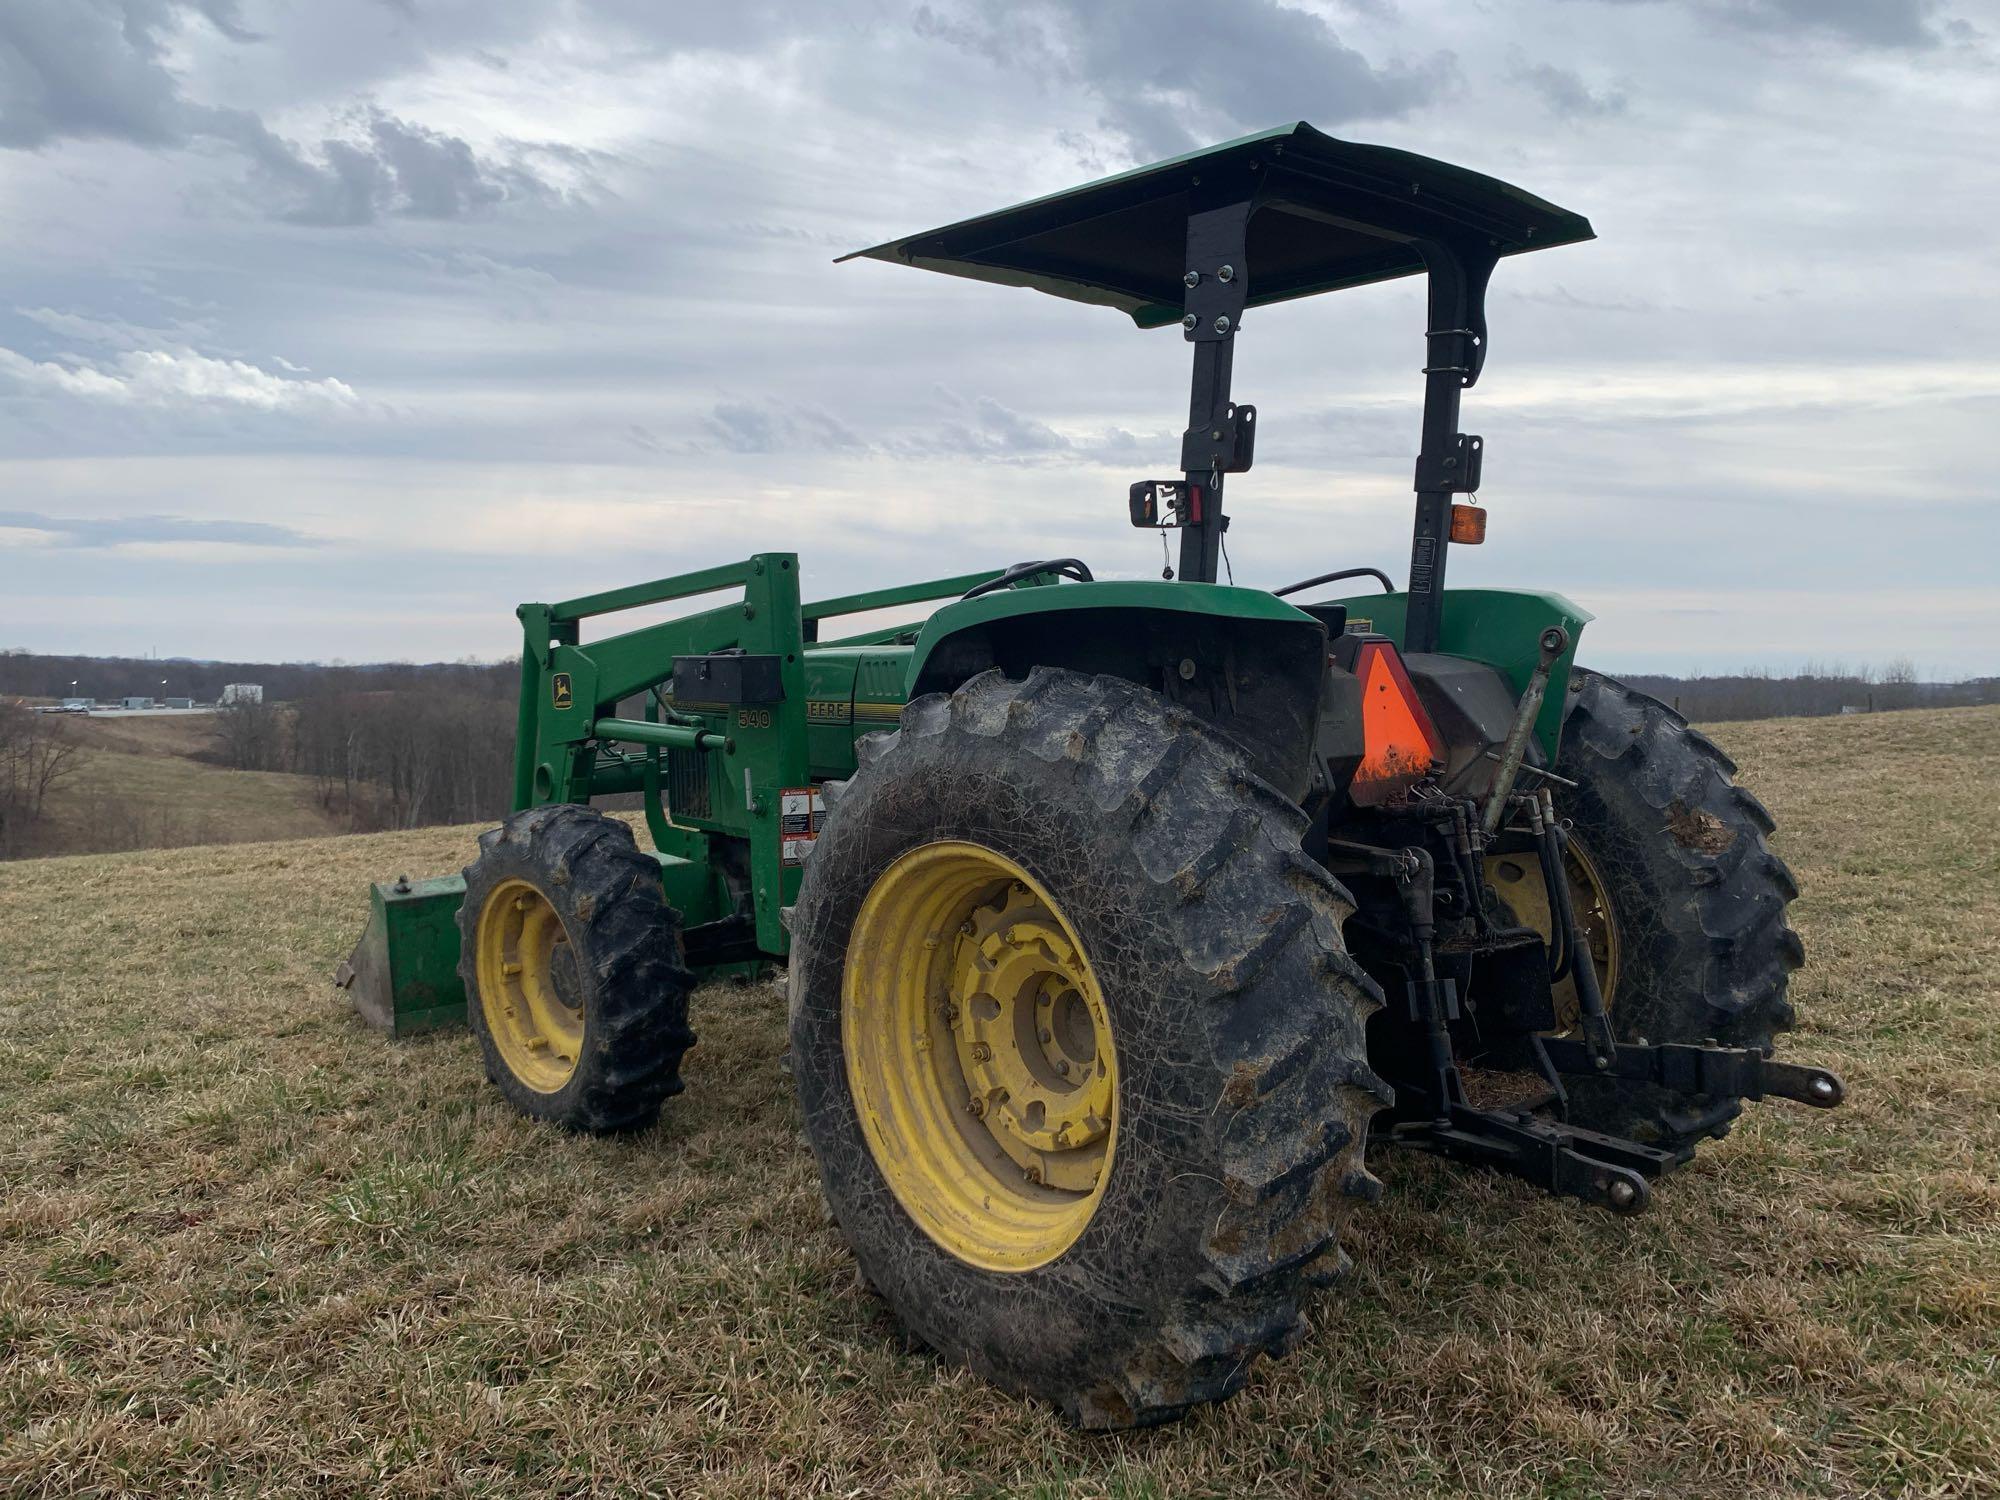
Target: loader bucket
pixel 403 974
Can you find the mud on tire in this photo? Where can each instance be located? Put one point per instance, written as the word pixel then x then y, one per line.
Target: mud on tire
pixel 1698 896
pixel 626 945
pixel 1243 1095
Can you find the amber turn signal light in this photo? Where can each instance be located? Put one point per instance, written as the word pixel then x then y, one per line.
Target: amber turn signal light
pixel 1468 524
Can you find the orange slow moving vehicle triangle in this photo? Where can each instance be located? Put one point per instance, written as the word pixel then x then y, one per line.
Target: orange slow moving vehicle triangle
pixel 1400 742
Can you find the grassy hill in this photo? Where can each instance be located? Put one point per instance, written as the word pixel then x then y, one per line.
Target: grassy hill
pixel 139 785
pixel 247 1245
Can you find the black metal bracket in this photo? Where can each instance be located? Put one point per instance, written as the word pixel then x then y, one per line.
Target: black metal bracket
pixel 1225 447
pixel 1719 1072
pixel 1456 470
pixel 1218 272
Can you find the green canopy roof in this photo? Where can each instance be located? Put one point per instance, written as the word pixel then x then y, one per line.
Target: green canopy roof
pixel 1329 214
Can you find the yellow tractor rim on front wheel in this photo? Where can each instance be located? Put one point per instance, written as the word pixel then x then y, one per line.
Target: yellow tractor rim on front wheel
pixel 528 987
pixel 979 1055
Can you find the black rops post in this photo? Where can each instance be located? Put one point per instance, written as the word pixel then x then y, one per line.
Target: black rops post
pixel 1220 436
pixel 1448 462
pixel 1287 213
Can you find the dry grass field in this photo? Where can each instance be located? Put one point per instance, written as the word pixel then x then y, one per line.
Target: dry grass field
pixel 247 1246
pixel 137 785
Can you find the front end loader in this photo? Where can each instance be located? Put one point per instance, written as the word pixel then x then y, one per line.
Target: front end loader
pixel 1122 919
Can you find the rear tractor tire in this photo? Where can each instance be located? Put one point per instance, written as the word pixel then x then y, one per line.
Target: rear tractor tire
pixel 1078 1046
pixel 571 959
pixel 1677 894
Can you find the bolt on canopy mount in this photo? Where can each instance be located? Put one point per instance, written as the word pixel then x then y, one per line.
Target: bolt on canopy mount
pixel 1286 213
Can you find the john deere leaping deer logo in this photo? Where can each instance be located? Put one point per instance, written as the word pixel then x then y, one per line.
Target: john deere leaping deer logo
pixel 559 693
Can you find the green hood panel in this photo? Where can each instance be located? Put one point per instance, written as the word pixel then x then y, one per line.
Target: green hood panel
pixel 1214 600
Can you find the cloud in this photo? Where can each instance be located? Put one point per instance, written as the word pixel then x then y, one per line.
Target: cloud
pixel 383 166
pixel 78 531
pixel 580 252
pixel 773 427
pixel 971 426
pixel 1169 73
pixel 1895 24
pixel 87 68
pixel 1568 95
pixel 159 377
pixel 984 427
pixel 114 332
pixel 1875 23
pixel 99 70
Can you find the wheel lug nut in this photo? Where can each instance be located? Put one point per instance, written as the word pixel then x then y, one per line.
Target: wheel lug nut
pixel 1033 1174
pixel 1062 1066
pixel 1046 1035
pixel 976 1107
pixel 981 1052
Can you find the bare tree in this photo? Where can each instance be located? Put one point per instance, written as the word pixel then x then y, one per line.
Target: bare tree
pixel 250 735
pixel 36 756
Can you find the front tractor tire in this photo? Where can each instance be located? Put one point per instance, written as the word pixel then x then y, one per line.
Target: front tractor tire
pixel 571 959
pixel 1079 1049
pixel 1678 894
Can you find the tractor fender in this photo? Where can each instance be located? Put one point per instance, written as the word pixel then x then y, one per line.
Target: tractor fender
pixel 1241 659
pixel 1500 627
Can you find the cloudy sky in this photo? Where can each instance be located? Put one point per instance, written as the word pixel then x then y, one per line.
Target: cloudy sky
pixel 333 328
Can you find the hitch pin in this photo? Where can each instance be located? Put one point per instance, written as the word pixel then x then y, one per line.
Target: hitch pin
pixel 1554 641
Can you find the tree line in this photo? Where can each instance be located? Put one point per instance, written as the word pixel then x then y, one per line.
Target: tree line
pixel 401 745
pixel 1816 692
pixel 28 674
pixel 383 757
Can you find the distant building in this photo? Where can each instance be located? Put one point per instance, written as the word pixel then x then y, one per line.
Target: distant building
pixel 180 703
pixel 242 692
pixel 135 700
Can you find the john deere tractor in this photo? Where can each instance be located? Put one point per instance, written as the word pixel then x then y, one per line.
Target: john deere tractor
pixel 1122 919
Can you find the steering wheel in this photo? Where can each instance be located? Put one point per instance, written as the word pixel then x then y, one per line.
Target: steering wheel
pixel 1066 567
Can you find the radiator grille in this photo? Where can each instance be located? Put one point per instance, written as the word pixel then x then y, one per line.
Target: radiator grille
pixel 687 784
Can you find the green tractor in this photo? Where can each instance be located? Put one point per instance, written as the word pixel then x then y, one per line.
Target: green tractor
pixel 1122 918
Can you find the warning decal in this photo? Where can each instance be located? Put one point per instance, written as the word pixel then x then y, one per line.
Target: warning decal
pixel 801 810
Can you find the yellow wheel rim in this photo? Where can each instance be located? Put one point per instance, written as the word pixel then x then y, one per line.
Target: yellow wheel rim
pixel 1517 880
pixel 528 988
pixel 979 1054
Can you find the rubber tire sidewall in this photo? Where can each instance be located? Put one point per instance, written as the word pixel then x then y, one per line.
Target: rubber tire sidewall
pixel 1704 949
pixel 1081 1322
pixel 628 1063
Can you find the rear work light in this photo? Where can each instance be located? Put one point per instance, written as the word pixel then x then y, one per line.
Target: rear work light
pixel 1400 742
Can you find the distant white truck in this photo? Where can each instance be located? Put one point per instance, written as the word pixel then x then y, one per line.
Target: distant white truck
pixel 241 692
